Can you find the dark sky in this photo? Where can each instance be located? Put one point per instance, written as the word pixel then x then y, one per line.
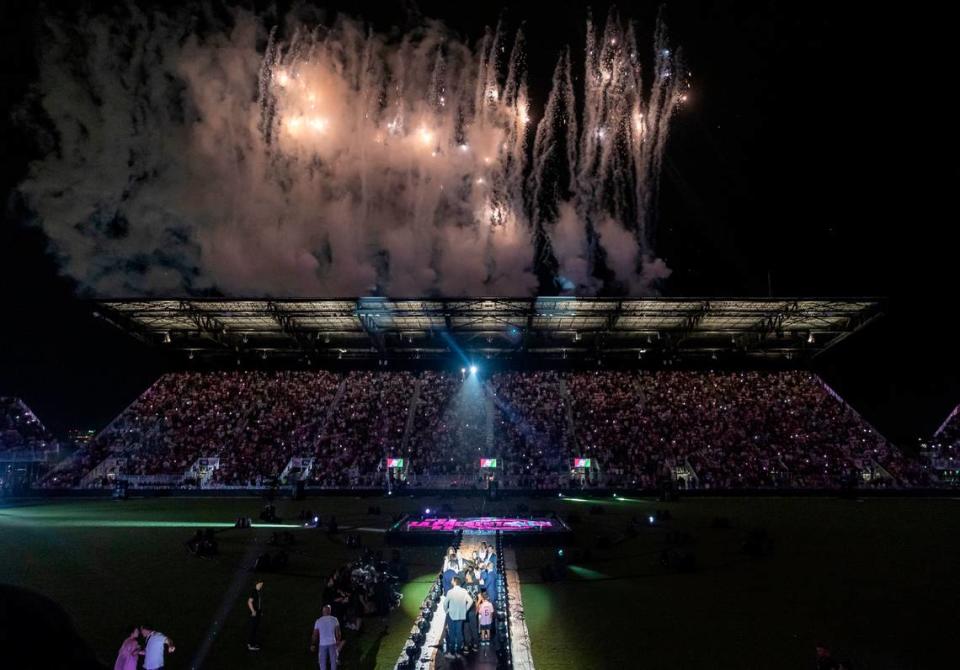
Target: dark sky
pixel 812 159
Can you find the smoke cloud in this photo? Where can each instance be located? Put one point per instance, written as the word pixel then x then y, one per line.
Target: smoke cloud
pixel 332 161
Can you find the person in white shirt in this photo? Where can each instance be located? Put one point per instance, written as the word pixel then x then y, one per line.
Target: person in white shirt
pixel 326 639
pixel 153 651
pixel 456 604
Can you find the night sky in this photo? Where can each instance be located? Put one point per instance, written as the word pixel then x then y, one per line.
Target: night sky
pixel 811 160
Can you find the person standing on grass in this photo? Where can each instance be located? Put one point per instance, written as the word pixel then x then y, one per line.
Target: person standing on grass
pixel 326 639
pixel 456 604
pixel 130 651
pixel 255 605
pixel 153 651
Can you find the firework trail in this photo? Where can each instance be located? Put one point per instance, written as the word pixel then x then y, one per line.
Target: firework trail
pixel 334 161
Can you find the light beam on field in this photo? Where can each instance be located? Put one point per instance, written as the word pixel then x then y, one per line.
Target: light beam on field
pixel 126 523
pixel 586 573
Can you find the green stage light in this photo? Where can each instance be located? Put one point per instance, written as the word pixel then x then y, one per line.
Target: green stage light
pixel 130 523
pixel 586 573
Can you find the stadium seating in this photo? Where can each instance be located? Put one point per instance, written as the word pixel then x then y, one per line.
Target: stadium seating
pixel 20 430
pixel 711 430
pixel 942 451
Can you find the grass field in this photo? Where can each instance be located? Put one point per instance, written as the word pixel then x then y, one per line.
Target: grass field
pixel 875 580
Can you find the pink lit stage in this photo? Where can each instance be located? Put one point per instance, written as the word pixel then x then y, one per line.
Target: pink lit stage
pixel 424 529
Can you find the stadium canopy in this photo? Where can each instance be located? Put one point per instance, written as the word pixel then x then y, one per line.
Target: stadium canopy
pixel 543 327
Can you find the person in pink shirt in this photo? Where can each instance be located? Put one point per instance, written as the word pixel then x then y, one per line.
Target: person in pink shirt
pixel 485 613
pixel 130 651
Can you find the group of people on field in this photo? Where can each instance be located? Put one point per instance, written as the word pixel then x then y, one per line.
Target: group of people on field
pixel 143 643
pixel 470 588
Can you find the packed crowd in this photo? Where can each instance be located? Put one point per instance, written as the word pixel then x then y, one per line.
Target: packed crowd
pixel 451 436
pixel 708 429
pixel 433 420
pixel 20 429
pixel 730 430
pixel 368 422
pixel 942 450
pixel 531 428
pixel 249 419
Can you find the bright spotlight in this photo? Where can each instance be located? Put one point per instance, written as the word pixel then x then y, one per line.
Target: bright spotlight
pixel 428 512
pixel 650 519
pixel 473 369
pixel 463 371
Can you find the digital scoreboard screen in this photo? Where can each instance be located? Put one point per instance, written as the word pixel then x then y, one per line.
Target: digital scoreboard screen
pixel 394 462
pixel 581 462
pixel 488 462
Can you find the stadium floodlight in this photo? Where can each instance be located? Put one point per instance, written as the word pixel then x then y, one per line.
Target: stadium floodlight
pixel 463 371
pixel 473 369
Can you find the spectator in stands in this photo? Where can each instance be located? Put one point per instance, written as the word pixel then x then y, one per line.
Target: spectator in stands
pixel 20 430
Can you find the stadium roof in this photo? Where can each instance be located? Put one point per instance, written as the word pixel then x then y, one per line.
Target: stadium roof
pixel 543 327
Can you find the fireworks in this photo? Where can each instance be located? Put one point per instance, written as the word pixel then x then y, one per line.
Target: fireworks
pixel 337 161
pixel 425 136
pixel 473 121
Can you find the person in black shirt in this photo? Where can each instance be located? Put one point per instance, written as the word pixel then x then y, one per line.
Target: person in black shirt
pixel 255 605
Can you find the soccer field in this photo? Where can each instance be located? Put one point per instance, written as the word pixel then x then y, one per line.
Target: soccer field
pixel 874 580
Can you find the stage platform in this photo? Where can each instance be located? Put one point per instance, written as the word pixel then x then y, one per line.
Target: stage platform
pixel 432 529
